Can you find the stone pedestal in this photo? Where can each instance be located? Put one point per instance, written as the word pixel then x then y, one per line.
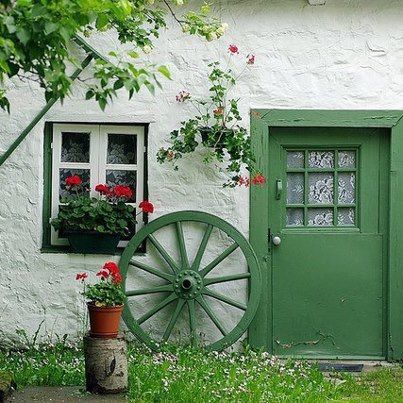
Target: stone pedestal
pixel 105 365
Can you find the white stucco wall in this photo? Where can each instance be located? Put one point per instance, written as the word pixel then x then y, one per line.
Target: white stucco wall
pixel 347 54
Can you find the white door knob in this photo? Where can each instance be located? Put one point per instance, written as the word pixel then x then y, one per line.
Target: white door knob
pixel 276 240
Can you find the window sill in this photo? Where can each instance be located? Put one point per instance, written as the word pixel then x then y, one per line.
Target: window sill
pixel 67 251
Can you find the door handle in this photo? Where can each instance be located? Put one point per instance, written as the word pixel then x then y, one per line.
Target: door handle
pixel 276 240
pixel 279 188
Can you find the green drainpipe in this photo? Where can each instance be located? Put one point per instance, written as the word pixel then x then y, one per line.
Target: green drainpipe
pixel 92 54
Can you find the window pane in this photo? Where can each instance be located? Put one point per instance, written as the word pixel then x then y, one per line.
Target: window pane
pixel 295 217
pixel 120 177
pixel 75 147
pixel 122 149
pixel 321 159
pixel 346 187
pixel 320 217
pixel 295 159
pixel 64 173
pixel 295 188
pixel 320 188
pixel 346 159
pixel 346 217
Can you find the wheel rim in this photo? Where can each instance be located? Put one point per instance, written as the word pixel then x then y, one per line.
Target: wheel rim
pixel 187 283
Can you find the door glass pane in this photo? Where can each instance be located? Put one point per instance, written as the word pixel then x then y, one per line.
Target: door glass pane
pixel 346 187
pixel 64 173
pixel 320 188
pixel 319 217
pixel 295 188
pixel 346 217
pixel 122 149
pixel 75 147
pixel 346 159
pixel 295 159
pixel 295 217
pixel 120 177
pixel 321 159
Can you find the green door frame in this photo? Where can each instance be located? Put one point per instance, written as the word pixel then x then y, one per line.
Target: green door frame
pixel 260 331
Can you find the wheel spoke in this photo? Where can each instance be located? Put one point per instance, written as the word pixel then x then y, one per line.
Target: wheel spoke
pixel 163 253
pixel 212 315
pixel 182 245
pixel 192 321
pixel 157 308
pixel 202 247
pixel 223 279
pixel 149 269
pixel 161 288
pixel 225 299
pixel 171 324
pixel 219 259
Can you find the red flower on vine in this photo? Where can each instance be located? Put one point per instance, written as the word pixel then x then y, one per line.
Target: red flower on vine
pixel 243 181
pixel 73 180
pixel 233 49
pixel 146 206
pixel 251 59
pixel 258 179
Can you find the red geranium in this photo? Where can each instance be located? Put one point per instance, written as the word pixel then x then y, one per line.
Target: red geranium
pixel 102 189
pixel 113 270
pixel 233 49
pixel 104 274
pixel 146 206
pixel 122 191
pixel 258 179
pixel 251 59
pixel 73 180
pixel 81 276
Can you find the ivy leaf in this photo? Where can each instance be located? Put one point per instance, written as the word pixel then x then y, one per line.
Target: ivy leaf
pixel 164 71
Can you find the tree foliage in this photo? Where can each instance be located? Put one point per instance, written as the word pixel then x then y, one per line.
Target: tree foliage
pixel 36 38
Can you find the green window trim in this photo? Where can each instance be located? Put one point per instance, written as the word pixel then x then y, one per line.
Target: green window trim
pixel 47 246
pixel 260 331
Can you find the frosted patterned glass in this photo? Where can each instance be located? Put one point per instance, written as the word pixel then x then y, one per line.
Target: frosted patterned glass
pixel 295 159
pixel 321 159
pixel 319 217
pixel 346 217
pixel 346 187
pixel 75 147
pixel 295 217
pixel 295 188
pixel 320 188
pixel 346 159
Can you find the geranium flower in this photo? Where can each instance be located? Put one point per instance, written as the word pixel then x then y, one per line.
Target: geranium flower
pixel 122 191
pixel 258 179
pixel 243 181
pixel 233 49
pixel 113 270
pixel 81 276
pixel 102 189
pixel 104 274
pixel 251 59
pixel 73 180
pixel 146 206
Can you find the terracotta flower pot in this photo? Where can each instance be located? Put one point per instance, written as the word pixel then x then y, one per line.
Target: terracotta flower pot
pixel 104 320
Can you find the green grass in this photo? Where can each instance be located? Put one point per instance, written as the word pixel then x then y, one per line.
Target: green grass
pixel 186 375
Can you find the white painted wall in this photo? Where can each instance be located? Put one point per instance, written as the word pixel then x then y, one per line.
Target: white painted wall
pixel 347 54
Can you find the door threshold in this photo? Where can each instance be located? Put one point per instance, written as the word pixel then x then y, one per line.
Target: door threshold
pixel 351 366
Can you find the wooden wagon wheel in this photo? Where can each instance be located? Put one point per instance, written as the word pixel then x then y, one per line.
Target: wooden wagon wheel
pixel 188 283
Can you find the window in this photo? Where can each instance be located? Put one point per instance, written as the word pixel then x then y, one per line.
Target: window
pixel 321 188
pixel 111 154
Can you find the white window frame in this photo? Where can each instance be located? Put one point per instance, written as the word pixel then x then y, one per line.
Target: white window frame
pixel 97 164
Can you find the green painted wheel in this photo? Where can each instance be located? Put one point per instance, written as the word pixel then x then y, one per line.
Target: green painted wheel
pixel 189 285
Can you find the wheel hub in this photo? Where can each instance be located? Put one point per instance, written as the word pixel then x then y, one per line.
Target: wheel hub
pixel 188 284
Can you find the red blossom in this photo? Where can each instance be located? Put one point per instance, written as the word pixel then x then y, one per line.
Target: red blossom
pixel 219 111
pixel 81 276
pixel 73 180
pixel 102 189
pixel 258 179
pixel 122 191
pixel 243 181
pixel 251 59
pixel 146 206
pixel 233 49
pixel 113 270
pixel 104 274
pixel 183 96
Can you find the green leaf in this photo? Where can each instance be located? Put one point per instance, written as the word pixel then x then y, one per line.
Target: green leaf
pixel 51 27
pixel 102 103
pixel 102 21
pixel 164 71
pixel 133 54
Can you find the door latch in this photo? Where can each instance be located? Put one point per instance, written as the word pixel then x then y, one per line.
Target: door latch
pixel 279 188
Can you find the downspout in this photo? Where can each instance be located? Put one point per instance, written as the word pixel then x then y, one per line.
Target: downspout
pixel 92 54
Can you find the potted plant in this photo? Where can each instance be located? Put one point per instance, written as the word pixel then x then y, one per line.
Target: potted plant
pixel 216 127
pixel 96 224
pixel 105 301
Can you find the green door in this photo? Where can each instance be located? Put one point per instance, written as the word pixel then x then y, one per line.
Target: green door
pixel 327 204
